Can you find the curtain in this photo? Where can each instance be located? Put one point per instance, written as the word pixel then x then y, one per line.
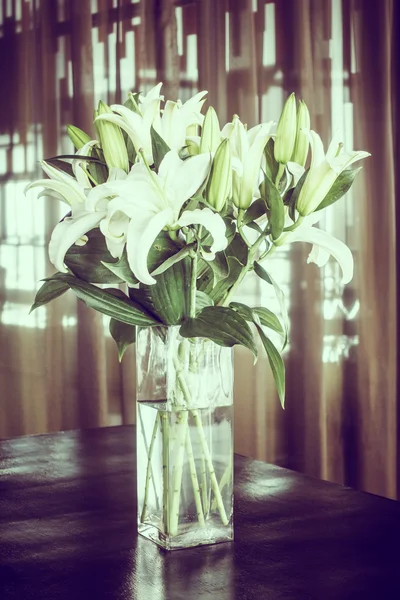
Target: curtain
pixel 58 365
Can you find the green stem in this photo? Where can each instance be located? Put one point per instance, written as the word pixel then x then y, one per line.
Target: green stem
pixel 193 287
pixel 240 227
pixel 178 471
pixel 148 451
pixel 149 471
pixel 210 467
pixel 195 481
pixel 165 469
pixel 246 268
pixel 295 225
pixel 207 456
pixel 204 491
pixel 225 479
pixel 281 170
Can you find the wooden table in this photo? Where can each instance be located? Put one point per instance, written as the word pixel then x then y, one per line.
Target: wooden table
pixel 68 531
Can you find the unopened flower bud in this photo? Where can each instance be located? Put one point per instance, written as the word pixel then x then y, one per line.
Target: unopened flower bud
pixel 78 137
pixel 210 133
pixel 111 140
pixel 286 132
pixel 302 142
pixel 219 185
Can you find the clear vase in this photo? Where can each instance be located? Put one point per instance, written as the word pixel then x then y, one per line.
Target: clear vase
pixel 184 439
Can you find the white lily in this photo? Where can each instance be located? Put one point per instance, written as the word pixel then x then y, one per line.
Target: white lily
pixel 247 150
pixel 325 245
pixel 88 206
pixel 177 118
pixel 172 126
pixel 146 202
pixel 324 170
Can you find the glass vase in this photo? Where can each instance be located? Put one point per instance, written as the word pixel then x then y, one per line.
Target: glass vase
pixel 184 439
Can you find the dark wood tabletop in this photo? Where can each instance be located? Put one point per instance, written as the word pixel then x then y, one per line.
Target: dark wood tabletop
pixel 68 531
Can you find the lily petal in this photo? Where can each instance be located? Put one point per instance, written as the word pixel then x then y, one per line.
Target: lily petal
pixel 182 178
pixel 114 227
pixel 141 235
pixel 251 167
pixel 78 166
pixel 66 233
pixel 213 222
pixel 327 243
pixel 132 124
pixel 72 197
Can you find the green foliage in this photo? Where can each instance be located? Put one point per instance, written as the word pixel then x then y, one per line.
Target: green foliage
pixel 262 273
pixel 276 207
pixel 48 292
pixel 159 147
pixel 222 325
pixel 123 334
pixel 91 261
pixel 341 186
pixel 111 302
pixel 276 363
pixel 168 299
pixel 274 358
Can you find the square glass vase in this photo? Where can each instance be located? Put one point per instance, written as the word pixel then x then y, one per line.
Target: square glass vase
pixel 184 439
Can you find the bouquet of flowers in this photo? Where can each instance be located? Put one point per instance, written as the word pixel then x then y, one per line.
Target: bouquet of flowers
pixel 179 210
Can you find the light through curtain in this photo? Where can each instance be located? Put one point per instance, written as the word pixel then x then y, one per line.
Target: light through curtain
pixel 58 365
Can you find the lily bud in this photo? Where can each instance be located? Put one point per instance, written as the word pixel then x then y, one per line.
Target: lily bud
pixel 286 132
pixel 210 133
pixel 219 186
pixel 302 142
pixel 78 137
pixel 111 140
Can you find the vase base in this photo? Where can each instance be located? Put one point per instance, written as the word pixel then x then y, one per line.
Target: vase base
pixel 211 534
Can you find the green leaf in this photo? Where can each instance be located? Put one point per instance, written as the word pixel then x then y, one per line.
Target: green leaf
pixel 205 280
pixel 276 208
pixel 230 229
pixel 220 266
pixel 133 102
pixel 162 249
pixel 259 316
pixel 111 302
pixel 237 249
pixel 173 259
pixel 262 273
pixel 123 334
pixel 272 165
pixel 63 157
pixel 222 325
pixel 274 358
pixel 168 299
pixel 202 300
pixel 245 311
pixel 341 186
pixel 276 363
pixel 255 211
pixel 223 286
pixel 48 292
pixel 254 226
pixel 62 166
pixel 98 170
pixel 159 147
pixel 121 269
pixel 87 261
pixel 269 319
pixel 295 194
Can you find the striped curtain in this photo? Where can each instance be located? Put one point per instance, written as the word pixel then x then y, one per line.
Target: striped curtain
pixel 58 365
